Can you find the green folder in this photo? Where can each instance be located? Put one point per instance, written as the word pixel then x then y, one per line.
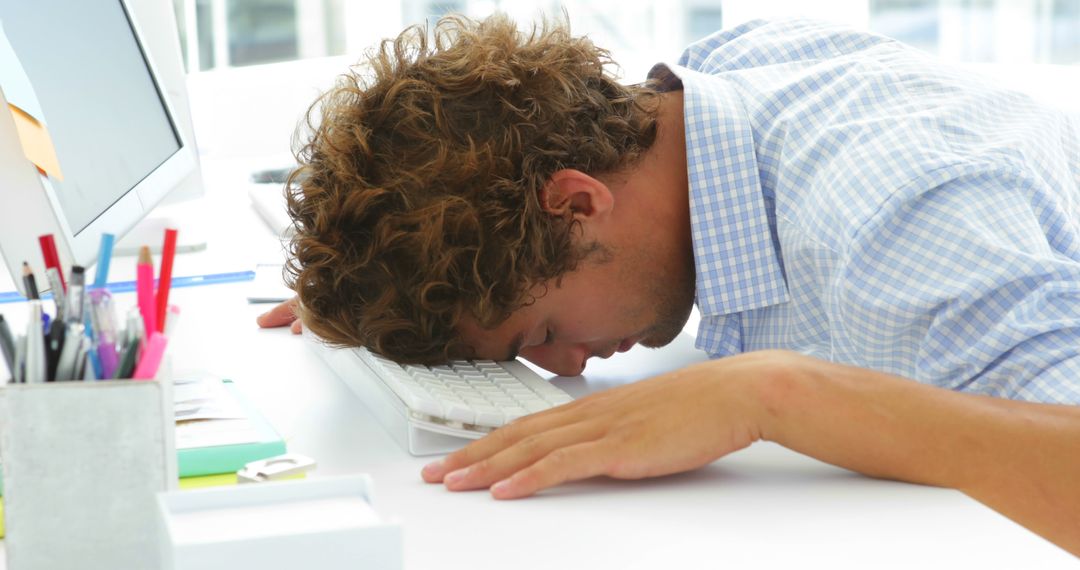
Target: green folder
pixel 200 461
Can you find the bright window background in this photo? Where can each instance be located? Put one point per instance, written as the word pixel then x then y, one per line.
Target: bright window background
pixel 231 33
pixel 255 65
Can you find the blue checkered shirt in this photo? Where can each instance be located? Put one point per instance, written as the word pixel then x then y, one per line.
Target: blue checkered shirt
pixel 857 200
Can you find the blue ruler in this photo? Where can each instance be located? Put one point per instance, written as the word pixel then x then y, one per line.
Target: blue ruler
pixel 129 286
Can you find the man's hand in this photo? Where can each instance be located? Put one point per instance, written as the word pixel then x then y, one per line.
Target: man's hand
pixel 668 424
pixel 281 315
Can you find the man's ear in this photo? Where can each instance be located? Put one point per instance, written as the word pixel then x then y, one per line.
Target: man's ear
pixel 580 194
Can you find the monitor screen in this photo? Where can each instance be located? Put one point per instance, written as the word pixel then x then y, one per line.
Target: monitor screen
pixel 76 68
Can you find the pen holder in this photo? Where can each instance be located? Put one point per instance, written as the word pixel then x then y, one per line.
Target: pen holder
pixel 82 463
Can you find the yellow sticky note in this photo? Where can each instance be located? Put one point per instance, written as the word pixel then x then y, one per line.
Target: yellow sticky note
pixel 36 142
pixel 208 481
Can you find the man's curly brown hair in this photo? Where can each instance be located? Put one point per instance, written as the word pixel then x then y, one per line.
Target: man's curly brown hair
pixel 417 199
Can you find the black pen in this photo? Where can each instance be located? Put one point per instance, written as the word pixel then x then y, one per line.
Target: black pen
pixel 7 345
pixel 127 360
pixel 54 345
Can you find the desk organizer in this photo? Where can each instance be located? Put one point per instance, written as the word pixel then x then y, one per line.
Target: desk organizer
pixel 326 523
pixel 82 464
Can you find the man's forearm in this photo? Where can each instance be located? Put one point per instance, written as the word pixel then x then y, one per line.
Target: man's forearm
pixel 1019 458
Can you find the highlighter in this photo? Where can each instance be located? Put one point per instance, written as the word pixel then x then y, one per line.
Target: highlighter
pixel 144 288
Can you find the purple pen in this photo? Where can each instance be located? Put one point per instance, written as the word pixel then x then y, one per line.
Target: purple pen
pixel 105 333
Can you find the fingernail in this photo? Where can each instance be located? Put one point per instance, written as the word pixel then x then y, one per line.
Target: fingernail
pixel 433 468
pixel 455 477
pixel 501 489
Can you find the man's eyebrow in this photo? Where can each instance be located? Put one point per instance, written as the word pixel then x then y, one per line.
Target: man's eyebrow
pixel 515 345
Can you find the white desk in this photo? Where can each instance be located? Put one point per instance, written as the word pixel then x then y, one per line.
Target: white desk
pixel 761 507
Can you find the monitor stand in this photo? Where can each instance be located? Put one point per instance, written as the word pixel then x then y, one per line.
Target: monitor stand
pixel 150 231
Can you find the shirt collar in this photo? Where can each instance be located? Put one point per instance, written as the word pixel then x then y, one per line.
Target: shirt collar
pixel 737 265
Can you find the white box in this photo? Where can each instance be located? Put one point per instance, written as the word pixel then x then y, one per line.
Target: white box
pixel 83 462
pixel 324 523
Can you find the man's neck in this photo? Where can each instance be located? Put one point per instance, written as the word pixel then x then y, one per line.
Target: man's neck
pixel 654 194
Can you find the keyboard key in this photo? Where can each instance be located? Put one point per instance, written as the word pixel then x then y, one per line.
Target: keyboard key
pixel 460 411
pixel 429 406
pixel 480 394
pixel 534 406
pixel 514 413
pixel 489 417
pixel 519 391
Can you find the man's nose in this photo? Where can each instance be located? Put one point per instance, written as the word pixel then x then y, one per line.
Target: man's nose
pixel 562 359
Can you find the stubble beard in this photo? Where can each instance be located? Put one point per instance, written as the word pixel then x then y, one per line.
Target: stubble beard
pixel 674 301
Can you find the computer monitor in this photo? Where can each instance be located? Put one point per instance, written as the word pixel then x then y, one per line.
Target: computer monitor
pixel 89 142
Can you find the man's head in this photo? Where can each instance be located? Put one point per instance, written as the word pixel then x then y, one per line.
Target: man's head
pixel 448 185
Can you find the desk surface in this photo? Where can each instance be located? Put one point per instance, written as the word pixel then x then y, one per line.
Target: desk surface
pixel 764 506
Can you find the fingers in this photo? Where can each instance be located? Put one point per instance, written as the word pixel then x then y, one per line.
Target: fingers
pixel 279 316
pixel 297 326
pixel 495 442
pixel 526 452
pixel 579 461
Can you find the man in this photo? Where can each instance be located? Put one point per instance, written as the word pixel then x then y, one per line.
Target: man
pixel 845 211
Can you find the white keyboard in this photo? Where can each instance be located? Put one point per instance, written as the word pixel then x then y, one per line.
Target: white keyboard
pixel 440 408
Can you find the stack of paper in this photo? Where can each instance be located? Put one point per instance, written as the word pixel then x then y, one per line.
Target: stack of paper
pixel 217 431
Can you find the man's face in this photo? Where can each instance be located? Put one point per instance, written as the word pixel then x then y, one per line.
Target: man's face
pixel 596 310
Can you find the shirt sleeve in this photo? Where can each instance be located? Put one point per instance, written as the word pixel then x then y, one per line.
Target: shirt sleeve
pixel 974 284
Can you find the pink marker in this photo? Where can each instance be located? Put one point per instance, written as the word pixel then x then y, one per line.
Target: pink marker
pixel 144 288
pixel 152 352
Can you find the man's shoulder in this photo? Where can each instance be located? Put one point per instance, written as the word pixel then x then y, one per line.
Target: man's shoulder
pixel 766 42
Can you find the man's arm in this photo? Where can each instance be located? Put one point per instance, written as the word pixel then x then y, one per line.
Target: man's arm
pixel 1018 458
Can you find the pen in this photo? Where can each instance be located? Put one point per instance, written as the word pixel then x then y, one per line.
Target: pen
pixel 75 295
pixel 20 359
pixel 58 329
pixel 6 373
pixel 29 283
pixel 144 288
pixel 7 345
pixel 151 357
pixel 135 329
pixel 52 259
pixel 168 251
pixel 35 370
pixel 54 345
pixel 90 353
pixel 57 286
pixel 91 330
pixel 174 317
pixel 105 322
pixel 104 257
pixel 127 361
pixel 130 353
pixel 66 362
pixel 85 354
